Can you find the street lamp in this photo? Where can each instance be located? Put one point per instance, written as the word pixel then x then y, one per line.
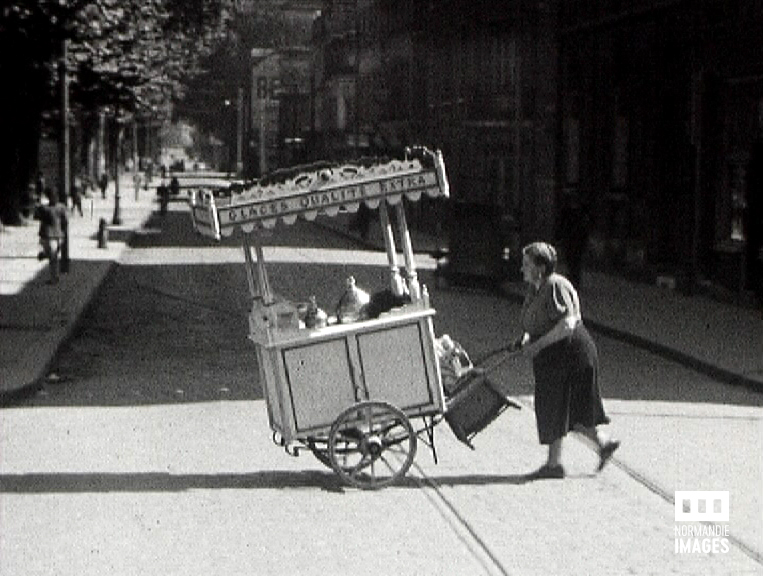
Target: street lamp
pixel 116 219
pixel 63 141
pixel 239 128
pixel 240 132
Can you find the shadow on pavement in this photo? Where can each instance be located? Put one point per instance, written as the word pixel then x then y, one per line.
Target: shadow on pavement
pixel 65 483
pixel 101 482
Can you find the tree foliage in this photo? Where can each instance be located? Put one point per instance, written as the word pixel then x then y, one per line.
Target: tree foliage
pixel 212 93
pixel 123 56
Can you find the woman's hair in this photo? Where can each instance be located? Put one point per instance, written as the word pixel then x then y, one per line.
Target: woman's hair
pixel 543 255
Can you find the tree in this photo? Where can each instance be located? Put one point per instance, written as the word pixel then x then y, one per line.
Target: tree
pixel 124 57
pixel 227 67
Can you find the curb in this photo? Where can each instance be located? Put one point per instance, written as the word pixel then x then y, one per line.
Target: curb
pixel 8 398
pixel 714 372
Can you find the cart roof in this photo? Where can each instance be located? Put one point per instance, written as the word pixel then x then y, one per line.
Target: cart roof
pixel 326 191
pixel 204 180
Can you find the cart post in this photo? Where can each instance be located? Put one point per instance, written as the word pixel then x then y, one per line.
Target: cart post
pixel 410 263
pixel 262 274
pixel 398 287
pixel 253 287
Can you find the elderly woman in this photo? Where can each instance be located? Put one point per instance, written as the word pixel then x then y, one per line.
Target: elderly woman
pixel 565 361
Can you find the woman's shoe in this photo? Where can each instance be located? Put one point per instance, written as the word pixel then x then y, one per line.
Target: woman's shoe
pixel 605 453
pixel 548 472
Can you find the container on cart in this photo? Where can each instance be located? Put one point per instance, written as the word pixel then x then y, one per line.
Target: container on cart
pixel 475 403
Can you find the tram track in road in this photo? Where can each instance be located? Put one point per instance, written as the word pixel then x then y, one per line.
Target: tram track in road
pixel 460 526
pixel 643 480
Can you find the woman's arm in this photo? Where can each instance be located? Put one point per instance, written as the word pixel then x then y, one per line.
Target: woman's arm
pixel 561 330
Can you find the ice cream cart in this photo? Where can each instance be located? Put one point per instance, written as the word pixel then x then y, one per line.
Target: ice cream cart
pixel 347 390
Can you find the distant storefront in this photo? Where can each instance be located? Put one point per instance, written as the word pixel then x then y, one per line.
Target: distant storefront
pixel 658 110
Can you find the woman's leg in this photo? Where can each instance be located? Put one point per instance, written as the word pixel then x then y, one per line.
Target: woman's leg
pixel 605 445
pixel 555 453
pixel 595 435
pixel 53 253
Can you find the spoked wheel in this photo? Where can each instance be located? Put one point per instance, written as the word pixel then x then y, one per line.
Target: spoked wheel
pixel 319 448
pixel 371 445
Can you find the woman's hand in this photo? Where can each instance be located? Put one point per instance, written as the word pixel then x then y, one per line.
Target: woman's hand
pixel 519 342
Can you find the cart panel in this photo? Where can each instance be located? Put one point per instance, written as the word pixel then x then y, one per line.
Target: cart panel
pixel 320 382
pixel 268 365
pixel 324 372
pixel 394 366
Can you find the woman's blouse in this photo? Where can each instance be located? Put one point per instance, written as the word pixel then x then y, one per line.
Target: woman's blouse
pixel 544 307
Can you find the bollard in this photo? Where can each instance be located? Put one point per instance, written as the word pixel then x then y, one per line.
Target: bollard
pixel 164 199
pixel 103 234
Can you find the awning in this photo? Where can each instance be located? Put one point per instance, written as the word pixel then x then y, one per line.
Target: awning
pixel 325 191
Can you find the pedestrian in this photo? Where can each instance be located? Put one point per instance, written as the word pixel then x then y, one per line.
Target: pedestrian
pixel 136 182
pixel 76 194
pixel 53 232
pixel 149 173
pixel 174 186
pixel 103 182
pixel 564 359
pixel 39 189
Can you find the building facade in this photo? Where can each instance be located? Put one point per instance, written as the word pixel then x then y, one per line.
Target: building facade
pixel 629 122
pixel 659 107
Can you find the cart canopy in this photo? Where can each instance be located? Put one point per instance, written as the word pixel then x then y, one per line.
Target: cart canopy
pixel 327 190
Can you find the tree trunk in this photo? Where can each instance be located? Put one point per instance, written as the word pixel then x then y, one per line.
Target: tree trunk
pixel 21 121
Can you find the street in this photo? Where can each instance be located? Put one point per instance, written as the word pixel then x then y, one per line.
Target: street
pixel 152 454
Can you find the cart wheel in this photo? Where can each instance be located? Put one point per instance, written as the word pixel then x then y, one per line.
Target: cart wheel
pixel 320 450
pixel 371 445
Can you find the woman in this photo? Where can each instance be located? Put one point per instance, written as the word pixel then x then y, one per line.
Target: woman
pixel 565 361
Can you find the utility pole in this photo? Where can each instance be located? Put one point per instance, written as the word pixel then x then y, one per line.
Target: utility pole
pixel 117 217
pixel 357 78
pixel 135 155
pixel 240 132
pixel 263 158
pixel 63 141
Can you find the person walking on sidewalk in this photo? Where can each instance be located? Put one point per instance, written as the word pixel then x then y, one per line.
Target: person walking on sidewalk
pixel 54 230
pixel 565 361
pixel 76 194
pixel 103 183
pixel 39 189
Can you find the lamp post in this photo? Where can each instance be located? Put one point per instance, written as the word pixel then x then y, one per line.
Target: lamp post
pixel 240 132
pixel 63 141
pixel 117 216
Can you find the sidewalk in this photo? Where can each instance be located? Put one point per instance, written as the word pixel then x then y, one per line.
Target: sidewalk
pixel 35 317
pixel 721 340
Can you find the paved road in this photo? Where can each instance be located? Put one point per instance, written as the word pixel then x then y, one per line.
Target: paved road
pixel 152 455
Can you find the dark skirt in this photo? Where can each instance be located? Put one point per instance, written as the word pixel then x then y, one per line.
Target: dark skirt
pixel 567 386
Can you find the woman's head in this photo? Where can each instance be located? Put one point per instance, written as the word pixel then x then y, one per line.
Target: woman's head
pixel 538 261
